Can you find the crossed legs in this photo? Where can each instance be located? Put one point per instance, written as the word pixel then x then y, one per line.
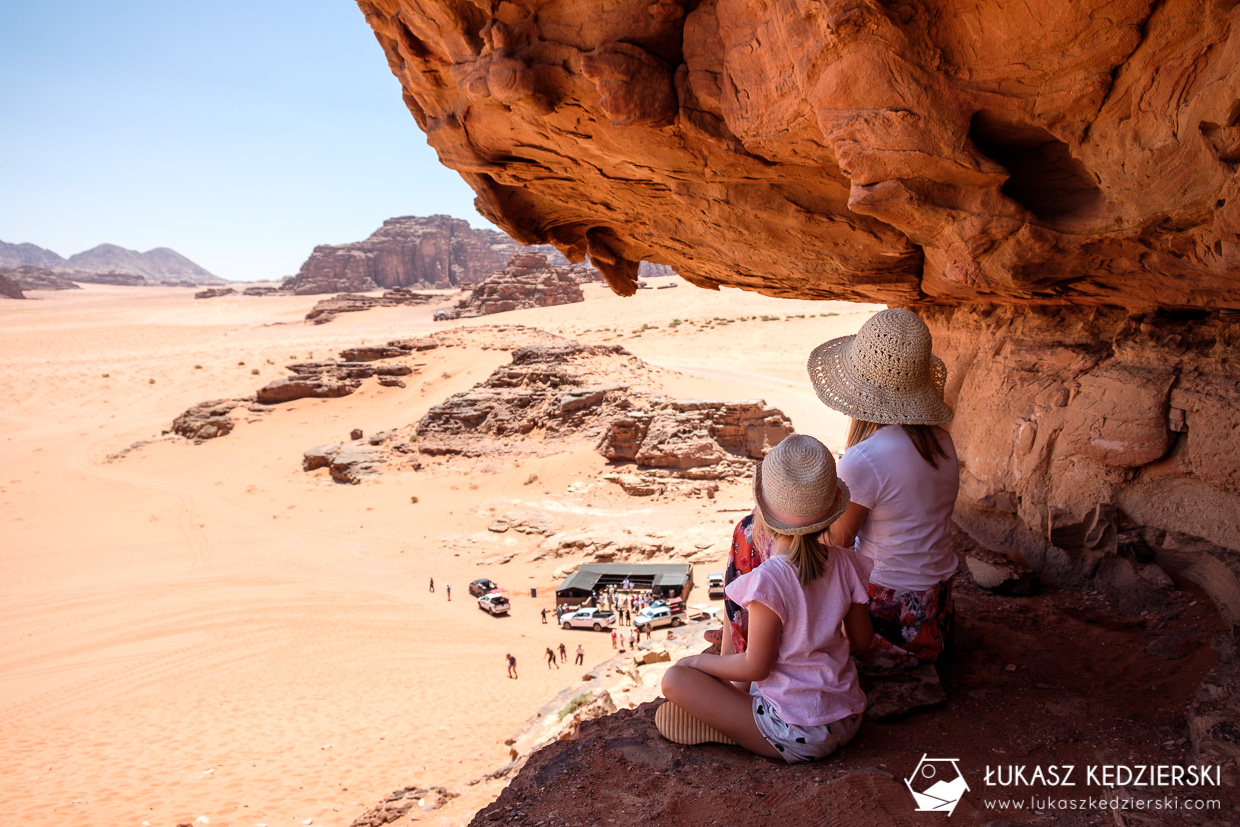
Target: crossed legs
pixel 718 704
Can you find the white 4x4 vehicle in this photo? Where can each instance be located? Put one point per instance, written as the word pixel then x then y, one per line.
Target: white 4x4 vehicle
pixel 660 614
pixel 494 603
pixel 596 619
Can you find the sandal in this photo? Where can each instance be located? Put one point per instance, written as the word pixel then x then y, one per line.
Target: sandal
pixel 678 726
pixel 713 636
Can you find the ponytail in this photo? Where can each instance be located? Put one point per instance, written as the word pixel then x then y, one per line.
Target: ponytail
pixel 805 553
pixel 808 556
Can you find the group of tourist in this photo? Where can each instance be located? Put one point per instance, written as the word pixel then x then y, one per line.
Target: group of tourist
pixel 837 572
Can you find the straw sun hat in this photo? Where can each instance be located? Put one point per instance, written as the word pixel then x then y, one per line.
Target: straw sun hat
pixel 795 488
pixel 885 374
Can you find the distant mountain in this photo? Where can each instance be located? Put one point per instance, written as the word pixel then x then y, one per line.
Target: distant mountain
pixel 160 265
pixel 28 255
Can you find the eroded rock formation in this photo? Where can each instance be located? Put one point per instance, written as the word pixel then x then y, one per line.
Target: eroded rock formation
pixel 1068 153
pixel 527 280
pixel 1093 441
pixel 550 395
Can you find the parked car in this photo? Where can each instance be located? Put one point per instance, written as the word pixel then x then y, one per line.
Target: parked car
pixel 481 587
pixel 494 603
pixel 714 585
pixel 661 613
pixel 596 619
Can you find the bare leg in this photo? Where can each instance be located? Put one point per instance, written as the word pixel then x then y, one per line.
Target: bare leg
pixel 718 704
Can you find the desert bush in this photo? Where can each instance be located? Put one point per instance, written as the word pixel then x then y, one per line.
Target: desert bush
pixel 575 704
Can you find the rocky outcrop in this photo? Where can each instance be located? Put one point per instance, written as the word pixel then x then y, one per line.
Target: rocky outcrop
pixel 526 281
pixel 208 420
pixel 547 394
pixel 328 309
pixel 550 395
pixel 215 293
pixel 325 380
pixel 10 288
pixel 872 152
pixel 37 278
pixel 681 434
pixel 420 252
pixel 357 459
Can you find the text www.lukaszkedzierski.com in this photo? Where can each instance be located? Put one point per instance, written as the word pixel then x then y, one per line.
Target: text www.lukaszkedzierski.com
pixel 1115 803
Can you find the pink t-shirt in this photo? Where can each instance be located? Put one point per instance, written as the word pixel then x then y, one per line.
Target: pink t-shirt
pixel 814 681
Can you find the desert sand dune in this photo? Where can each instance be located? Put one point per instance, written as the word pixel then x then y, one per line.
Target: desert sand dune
pixel 208 631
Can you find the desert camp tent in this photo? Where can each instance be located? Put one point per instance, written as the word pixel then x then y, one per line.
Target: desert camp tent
pixel 664 579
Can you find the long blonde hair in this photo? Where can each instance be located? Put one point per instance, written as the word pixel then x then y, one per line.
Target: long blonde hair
pixel 922 437
pixel 807 555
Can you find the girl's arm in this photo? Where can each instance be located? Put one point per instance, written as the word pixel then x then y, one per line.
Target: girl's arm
pixel 756 662
pixel 843 532
pixel 858 627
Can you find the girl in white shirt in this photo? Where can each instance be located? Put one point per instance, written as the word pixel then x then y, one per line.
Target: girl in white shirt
pixel 903 474
pixel 793 693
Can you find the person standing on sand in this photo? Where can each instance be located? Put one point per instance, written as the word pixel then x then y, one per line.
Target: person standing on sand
pixel 512 666
pixel 613 638
pixel 432 585
pixel 449 590
pixel 563 654
pixel 544 615
pixel 632 638
pixel 551 659
pixel 581 655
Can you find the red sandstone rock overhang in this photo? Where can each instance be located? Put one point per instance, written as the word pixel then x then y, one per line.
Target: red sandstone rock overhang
pixel 923 152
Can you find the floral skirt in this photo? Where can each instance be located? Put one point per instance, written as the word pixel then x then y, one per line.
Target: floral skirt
pixel 910 628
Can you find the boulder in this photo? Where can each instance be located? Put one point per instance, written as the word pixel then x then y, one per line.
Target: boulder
pixel 207 420
pixel 305 387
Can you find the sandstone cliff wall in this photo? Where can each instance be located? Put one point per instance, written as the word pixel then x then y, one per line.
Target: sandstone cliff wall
pixel 1095 440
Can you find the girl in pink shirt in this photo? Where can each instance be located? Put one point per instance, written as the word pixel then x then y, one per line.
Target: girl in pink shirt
pixel 793 692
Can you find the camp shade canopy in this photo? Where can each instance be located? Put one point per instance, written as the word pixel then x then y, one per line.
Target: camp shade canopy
pixel 664 579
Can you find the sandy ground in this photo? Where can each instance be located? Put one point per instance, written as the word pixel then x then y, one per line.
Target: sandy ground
pixel 205 633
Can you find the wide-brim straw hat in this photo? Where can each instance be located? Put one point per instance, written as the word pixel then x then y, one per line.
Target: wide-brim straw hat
pixel 885 373
pixel 797 478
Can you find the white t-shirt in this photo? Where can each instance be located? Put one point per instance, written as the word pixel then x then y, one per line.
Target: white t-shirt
pixel 814 681
pixel 908 530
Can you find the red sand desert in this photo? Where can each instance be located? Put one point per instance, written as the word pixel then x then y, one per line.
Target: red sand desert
pixel 208 634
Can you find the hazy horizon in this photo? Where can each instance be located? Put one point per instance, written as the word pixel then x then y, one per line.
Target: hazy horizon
pixel 240 135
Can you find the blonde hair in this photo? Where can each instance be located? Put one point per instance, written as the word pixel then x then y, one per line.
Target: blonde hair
pixel 922 437
pixel 807 555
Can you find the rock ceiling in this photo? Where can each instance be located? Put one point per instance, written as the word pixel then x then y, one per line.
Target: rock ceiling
pixel 927 151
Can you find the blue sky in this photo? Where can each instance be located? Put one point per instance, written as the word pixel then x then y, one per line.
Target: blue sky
pixel 240 134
